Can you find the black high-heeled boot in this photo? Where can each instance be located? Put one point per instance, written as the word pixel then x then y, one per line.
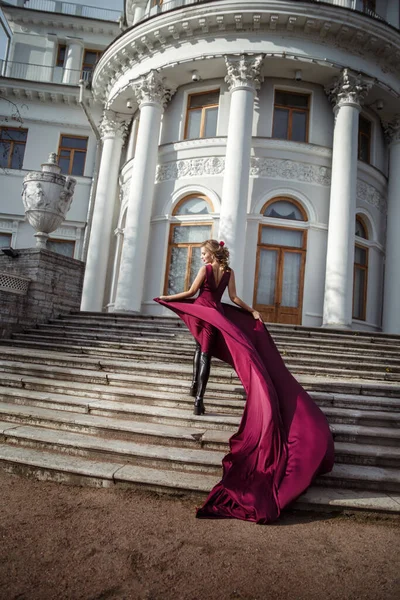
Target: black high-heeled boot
pixel 204 373
pixel 196 366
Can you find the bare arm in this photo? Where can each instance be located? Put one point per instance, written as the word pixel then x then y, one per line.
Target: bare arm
pixel 236 300
pixel 194 288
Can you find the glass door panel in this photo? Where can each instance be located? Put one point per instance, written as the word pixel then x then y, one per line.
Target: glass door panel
pixel 195 263
pixel 268 266
pixel 177 271
pixel 291 279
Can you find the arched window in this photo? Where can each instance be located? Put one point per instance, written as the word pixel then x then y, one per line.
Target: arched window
pixel 281 255
pixel 192 226
pixel 360 281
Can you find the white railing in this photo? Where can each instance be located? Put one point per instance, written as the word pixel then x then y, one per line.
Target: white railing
pixel 166 6
pixel 69 8
pixel 44 73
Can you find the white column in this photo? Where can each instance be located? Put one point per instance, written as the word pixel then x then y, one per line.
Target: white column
pixel 140 10
pixel 243 79
pixel 73 61
pixel 151 96
pixel 113 129
pixel 391 294
pixel 347 95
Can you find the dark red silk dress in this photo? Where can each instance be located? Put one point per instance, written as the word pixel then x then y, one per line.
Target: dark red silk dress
pixel 283 440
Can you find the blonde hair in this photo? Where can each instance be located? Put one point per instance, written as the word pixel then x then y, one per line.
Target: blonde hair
pixel 219 250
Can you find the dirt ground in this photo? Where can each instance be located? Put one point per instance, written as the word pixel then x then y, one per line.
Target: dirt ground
pixel 63 542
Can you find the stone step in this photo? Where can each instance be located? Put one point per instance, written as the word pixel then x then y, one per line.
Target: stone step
pixel 46 392
pixel 212 431
pixel 90 446
pixel 359 434
pixel 78 470
pixel 114 428
pixel 154 455
pixel 224 417
pixel 120 340
pixel 179 350
pixel 103 318
pixel 344 368
pixel 360 454
pixel 349 500
pixel 362 477
pixel 108 371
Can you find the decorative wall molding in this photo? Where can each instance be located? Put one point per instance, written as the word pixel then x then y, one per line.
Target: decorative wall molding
pixel 367 193
pixel 190 167
pixel 290 170
pixel 271 168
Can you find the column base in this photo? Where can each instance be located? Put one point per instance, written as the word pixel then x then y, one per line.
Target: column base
pixel 336 326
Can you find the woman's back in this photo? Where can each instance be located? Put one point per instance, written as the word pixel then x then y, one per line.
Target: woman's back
pixel 210 291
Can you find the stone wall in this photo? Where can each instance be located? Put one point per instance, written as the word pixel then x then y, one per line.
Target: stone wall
pixel 55 288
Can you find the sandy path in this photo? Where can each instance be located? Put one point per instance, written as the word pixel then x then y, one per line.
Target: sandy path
pixel 60 542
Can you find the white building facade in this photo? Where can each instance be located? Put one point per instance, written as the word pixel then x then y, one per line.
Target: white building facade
pixel 53 46
pixel 272 125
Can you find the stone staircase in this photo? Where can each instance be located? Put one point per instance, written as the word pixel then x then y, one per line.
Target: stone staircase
pixel 101 399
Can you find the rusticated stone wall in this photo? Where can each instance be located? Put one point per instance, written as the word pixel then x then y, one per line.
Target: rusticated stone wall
pixel 55 288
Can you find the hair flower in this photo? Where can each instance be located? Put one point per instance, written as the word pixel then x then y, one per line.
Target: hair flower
pixel 222 244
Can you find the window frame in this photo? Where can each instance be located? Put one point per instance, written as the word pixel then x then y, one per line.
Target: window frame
pixel 291 110
pixel 359 243
pixel 188 221
pixel 203 112
pixel 72 150
pixel 188 245
pixel 92 66
pixel 12 144
pixel 358 266
pixel 61 47
pixel 9 235
pixel 285 199
pixel 368 137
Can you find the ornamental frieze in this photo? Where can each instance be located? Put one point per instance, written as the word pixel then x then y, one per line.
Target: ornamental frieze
pixel 288 169
pixel 271 168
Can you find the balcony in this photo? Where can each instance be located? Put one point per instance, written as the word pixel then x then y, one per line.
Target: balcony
pixel 162 6
pixel 43 73
pixel 68 8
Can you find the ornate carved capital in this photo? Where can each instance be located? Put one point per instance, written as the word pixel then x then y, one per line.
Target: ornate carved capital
pixel 152 88
pixel 349 88
pixel 392 130
pixel 113 124
pixel 244 71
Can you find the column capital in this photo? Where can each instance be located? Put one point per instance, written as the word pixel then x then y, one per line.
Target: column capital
pixel 244 71
pixel 349 89
pixel 152 89
pixel 113 125
pixel 392 130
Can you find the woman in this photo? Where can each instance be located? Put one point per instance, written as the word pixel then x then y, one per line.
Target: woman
pixel 283 440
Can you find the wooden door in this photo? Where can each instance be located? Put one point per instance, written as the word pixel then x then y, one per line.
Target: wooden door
pixel 280 274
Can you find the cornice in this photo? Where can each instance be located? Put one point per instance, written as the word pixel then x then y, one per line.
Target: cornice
pixel 24 17
pixel 22 90
pixel 326 24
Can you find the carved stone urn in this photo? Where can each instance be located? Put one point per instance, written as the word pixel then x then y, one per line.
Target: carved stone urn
pixel 47 197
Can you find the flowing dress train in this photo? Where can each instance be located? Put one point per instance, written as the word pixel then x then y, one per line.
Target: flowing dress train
pixel 283 440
